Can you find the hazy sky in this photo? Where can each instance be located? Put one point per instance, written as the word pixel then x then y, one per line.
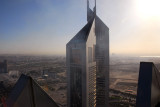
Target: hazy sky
pixel 45 26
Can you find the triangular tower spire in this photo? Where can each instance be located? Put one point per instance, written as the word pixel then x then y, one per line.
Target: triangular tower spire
pixel 94 9
pixel 87 4
pixel 90 13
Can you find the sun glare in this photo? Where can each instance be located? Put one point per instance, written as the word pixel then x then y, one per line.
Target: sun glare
pixel 148 8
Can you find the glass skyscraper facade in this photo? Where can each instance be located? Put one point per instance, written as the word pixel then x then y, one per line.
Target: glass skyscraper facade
pixel 87 58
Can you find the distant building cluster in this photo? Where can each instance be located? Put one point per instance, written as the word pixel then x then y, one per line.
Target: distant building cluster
pixel 14 73
pixel 48 74
pixel 3 67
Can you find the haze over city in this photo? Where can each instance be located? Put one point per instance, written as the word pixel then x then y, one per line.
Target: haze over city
pixel 79 53
pixel 44 27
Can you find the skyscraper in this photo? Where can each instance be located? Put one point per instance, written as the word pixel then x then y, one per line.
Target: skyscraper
pixel 27 93
pixel 148 91
pixel 88 64
pixel 3 67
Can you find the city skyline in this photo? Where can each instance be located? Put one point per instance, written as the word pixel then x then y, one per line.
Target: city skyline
pixel 35 26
